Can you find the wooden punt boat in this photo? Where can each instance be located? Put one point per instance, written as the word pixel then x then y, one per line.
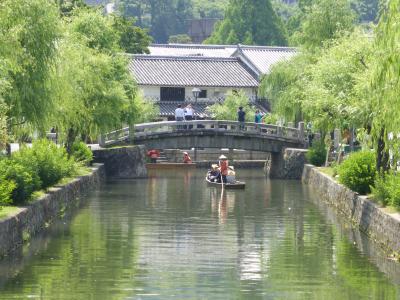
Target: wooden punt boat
pixel 236 185
pixel 168 165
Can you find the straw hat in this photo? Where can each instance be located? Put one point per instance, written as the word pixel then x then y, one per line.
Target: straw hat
pixel 223 157
pixel 185 153
pixel 214 166
pixel 232 168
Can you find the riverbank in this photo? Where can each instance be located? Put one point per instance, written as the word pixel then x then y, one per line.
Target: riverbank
pixel 382 227
pixel 56 203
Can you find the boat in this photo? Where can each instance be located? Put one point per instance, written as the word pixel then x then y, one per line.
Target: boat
pixel 170 165
pixel 236 185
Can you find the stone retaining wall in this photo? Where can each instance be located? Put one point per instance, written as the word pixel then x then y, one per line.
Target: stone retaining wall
pixel 56 203
pixel 288 164
pixel 380 226
pixel 123 162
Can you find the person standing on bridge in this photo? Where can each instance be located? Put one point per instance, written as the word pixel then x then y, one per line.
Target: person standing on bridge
pixel 189 114
pixel 241 117
pixel 179 115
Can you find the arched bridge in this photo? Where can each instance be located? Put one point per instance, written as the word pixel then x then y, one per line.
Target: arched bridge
pixel 208 134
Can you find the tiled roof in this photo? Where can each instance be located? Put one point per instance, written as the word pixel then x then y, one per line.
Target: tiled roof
pixel 261 57
pixel 191 71
pixel 264 57
pixel 192 50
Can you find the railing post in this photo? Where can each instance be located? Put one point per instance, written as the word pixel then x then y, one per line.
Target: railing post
pixel 301 131
pixel 131 133
pixel 102 140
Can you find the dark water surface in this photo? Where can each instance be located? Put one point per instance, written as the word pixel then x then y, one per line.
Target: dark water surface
pixel 172 237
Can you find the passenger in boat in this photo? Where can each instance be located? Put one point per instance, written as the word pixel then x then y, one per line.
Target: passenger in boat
pixel 186 158
pixel 214 174
pixel 153 154
pixel 231 177
pixel 223 167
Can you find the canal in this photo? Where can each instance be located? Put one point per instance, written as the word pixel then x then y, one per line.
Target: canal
pixel 172 237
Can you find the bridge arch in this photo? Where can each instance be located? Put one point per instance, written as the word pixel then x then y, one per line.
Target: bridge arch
pixel 209 134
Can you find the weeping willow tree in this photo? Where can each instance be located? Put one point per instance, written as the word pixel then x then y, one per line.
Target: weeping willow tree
pixel 385 83
pixel 228 109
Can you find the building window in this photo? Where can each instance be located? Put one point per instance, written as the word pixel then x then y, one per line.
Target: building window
pixel 172 94
pixel 203 94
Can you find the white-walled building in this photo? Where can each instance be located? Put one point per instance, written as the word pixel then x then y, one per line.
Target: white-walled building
pixel 170 73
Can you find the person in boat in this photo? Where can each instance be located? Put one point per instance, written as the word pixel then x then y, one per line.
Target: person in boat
pixel 186 158
pixel 153 154
pixel 214 174
pixel 231 177
pixel 223 167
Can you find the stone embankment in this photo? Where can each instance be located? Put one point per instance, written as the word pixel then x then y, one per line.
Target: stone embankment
pixel 380 226
pixel 58 201
pixel 123 162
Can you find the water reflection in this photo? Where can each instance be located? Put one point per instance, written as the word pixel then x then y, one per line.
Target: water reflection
pixel 171 236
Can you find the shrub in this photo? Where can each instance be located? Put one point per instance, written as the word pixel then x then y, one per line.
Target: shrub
pixel 81 153
pixel 26 180
pixel 6 189
pixel 386 189
pixel 316 154
pixel 50 161
pixel 358 171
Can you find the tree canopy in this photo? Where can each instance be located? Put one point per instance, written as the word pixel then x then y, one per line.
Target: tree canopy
pixel 249 22
pixel 66 70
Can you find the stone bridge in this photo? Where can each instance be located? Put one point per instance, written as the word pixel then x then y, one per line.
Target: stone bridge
pixel 208 134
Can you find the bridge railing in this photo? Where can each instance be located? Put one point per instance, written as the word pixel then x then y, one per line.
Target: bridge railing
pixel 148 129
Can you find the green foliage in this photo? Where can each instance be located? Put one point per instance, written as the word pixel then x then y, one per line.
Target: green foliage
pixel 81 153
pixel 132 39
pixel 386 189
pixel 49 161
pixel 248 21
pixel 358 171
pixel 383 84
pixel 326 89
pixel 3 126
pixel 6 189
pixel 23 176
pixel 179 39
pixel 162 17
pixel 227 110
pixel 138 110
pixel 322 21
pixel 28 36
pixel 66 7
pixel 316 154
pixel 95 30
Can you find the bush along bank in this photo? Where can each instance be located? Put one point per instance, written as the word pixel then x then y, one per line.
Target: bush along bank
pixel 46 184
pixel 31 170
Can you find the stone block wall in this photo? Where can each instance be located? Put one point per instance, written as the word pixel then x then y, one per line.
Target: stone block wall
pixel 56 203
pixel 123 162
pixel 380 226
pixel 288 164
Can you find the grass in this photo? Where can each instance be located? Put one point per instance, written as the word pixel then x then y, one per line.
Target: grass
pixel 328 171
pixel 7 211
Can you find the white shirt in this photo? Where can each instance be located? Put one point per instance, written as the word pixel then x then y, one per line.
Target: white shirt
pixel 189 111
pixel 179 112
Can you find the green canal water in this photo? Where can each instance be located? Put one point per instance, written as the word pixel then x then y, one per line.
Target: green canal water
pixel 172 237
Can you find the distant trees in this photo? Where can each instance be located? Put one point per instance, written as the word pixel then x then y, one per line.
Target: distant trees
pixel 323 20
pixel 163 18
pixel 180 39
pixel 249 22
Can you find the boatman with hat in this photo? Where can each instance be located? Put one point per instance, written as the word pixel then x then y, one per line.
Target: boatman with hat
pixel 223 167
